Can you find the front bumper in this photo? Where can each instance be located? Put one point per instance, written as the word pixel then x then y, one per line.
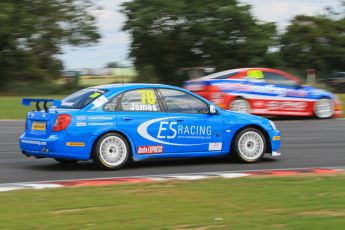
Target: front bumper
pixel 55 146
pixel 338 109
pixel 275 142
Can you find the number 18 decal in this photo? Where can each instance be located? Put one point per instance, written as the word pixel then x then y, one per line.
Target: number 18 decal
pixel 148 97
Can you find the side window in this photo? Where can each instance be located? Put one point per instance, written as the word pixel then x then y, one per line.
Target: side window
pixel 111 105
pixel 277 79
pixel 181 102
pixel 143 100
pixel 226 76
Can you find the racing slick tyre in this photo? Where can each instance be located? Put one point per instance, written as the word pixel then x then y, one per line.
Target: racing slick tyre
pixel 66 162
pixel 324 108
pixel 111 151
pixel 240 105
pixel 249 145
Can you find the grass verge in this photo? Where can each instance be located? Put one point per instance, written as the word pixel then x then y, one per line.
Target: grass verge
pixel 11 106
pixel 300 202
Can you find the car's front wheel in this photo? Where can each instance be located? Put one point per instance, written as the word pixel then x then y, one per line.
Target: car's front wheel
pixel 249 145
pixel 111 151
pixel 324 108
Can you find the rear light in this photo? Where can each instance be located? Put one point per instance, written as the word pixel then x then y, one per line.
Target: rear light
pixel 62 122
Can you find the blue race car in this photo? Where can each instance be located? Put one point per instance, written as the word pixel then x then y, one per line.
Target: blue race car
pixel 112 124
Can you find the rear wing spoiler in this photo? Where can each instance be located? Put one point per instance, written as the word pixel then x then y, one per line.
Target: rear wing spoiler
pixel 27 102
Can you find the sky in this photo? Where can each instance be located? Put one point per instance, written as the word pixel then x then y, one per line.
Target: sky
pixel 114 45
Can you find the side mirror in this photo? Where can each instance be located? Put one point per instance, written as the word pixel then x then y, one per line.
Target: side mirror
pixel 213 109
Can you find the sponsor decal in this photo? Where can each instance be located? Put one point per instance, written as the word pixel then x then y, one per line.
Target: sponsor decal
pixel 40 143
pixel 81 123
pixel 147 102
pixel 169 131
pixel 139 107
pixel 100 101
pixel 259 104
pixel 67 104
pixel 276 138
pixel 262 90
pixel 100 123
pixel 92 118
pixel 94 121
pixel 39 126
pixel 286 105
pixel 94 95
pixel 150 149
pixel 215 146
pixel 255 74
pixel 75 144
pixel 81 118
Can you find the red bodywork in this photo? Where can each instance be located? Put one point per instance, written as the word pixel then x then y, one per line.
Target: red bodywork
pixel 276 106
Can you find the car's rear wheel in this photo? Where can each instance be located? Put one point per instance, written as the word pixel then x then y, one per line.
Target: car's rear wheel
pixel 249 145
pixel 324 108
pixel 111 151
pixel 66 162
pixel 240 105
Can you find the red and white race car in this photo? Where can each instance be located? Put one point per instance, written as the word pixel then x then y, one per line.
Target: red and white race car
pixel 265 91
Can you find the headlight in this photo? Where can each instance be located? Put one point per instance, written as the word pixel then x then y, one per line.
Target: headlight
pixel 273 125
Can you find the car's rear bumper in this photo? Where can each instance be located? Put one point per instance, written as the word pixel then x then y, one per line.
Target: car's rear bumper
pixel 55 146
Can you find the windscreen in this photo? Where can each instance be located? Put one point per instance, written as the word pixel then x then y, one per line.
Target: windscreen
pixel 80 99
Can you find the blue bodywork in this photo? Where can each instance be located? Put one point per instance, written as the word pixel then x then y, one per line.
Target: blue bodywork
pixel 178 135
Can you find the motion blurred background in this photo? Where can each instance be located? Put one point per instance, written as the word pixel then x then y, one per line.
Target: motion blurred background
pixel 51 48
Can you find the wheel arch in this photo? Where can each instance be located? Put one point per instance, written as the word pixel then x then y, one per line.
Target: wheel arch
pixel 261 129
pixel 234 97
pixel 99 135
pixel 328 97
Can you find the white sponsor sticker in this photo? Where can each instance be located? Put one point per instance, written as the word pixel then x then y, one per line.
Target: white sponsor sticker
pixel 100 101
pixel 100 117
pixel 150 149
pixel 215 146
pixel 67 104
pixel 81 118
pixel 100 123
pixel 81 123
pixel 34 142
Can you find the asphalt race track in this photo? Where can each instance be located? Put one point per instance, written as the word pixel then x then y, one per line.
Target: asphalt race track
pixel 305 143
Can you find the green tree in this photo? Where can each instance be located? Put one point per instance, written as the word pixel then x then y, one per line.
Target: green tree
pixel 33 32
pixel 316 42
pixel 112 65
pixel 169 35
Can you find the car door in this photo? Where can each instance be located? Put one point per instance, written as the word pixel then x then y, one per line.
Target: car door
pixel 290 96
pixel 138 114
pixel 191 128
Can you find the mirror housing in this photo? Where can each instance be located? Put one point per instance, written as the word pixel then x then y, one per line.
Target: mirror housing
pixel 213 109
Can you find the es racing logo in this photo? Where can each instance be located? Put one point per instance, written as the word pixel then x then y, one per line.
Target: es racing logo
pixel 170 133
